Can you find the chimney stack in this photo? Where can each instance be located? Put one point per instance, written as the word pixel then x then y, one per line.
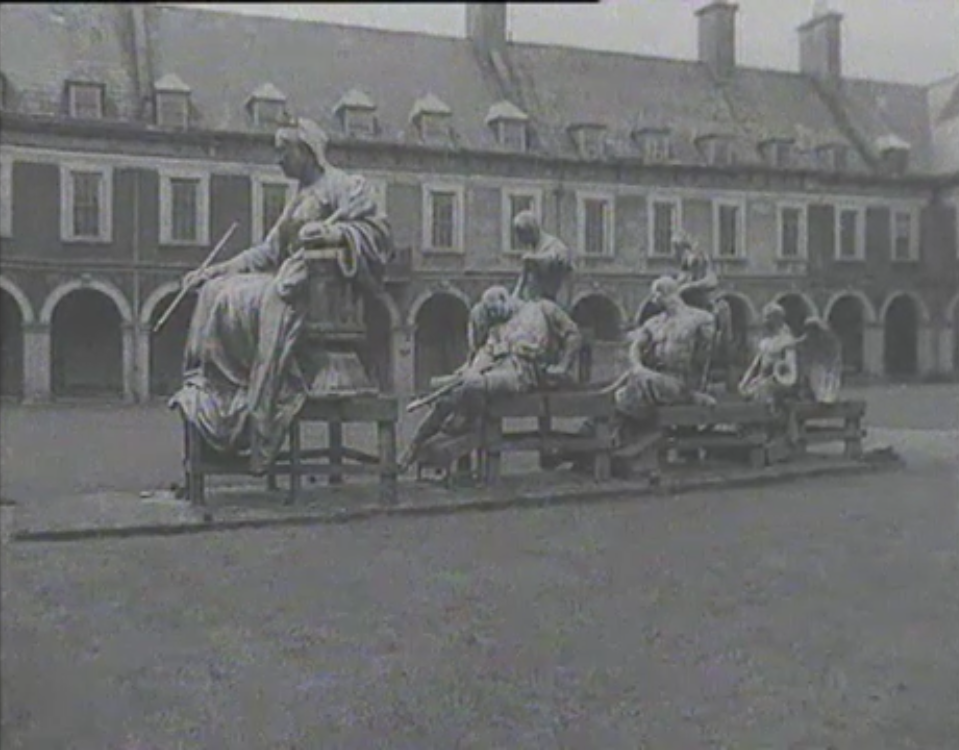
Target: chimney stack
pixel 486 26
pixel 820 44
pixel 717 36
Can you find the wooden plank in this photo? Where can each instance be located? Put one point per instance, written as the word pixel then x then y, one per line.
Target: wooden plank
pixel 715 441
pixel 690 416
pixel 838 410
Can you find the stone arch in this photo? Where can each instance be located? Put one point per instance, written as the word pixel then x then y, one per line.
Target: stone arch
pixel 602 319
pixel 612 318
pixel 440 323
pixel 745 303
pixel 13 314
pixel 148 308
pixel 381 319
pixel 868 309
pixel 924 317
pixel 426 295
pixel 23 302
pixel 105 287
pixel 798 306
pixel 903 314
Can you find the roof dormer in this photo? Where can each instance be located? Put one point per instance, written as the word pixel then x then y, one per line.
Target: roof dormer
pixel 590 139
pixel 717 149
pixel 4 92
pixel 267 106
pixel 832 157
pixel 510 125
pixel 171 102
pixel 431 117
pixel 85 99
pixel 356 113
pixel 778 152
pixel 655 144
pixel 893 153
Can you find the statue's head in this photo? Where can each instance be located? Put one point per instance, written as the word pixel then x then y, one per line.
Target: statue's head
pixel 498 303
pixel 774 316
pixel 665 292
pixel 526 227
pixel 301 149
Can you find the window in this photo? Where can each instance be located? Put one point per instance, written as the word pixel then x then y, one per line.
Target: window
pixel 268 113
pixel 792 233
pixel 358 122
pixel 434 127
pixel 6 197
pixel 590 141
pixel 905 245
pixel 656 148
pixel 184 208
pixel 596 225
pixel 718 151
pixel 850 229
pixel 86 195
pixel 664 221
pixel 778 153
pixel 512 134
pixel 172 110
pixel 833 158
pixel 270 196
pixel 443 225
pixel 729 230
pixel 514 202
pixel 4 91
pixel 86 101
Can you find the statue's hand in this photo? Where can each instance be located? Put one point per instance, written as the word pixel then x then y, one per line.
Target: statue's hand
pixel 199 276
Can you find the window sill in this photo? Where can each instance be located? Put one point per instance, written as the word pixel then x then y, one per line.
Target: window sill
pixel 849 260
pixel 182 243
pixel 443 252
pixel 86 240
pixel 905 261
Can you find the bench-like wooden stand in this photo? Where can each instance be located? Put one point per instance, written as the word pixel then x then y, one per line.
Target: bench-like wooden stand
pixel 489 441
pixel 298 461
pixel 817 424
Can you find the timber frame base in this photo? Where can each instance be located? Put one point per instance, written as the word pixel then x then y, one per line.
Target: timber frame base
pixel 297 462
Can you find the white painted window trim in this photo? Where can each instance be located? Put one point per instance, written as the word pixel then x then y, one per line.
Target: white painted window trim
pixel 915 216
pixel 803 231
pixel 257 183
pixel 6 197
pixel 677 204
pixel 459 206
pixel 860 211
pixel 507 194
pixel 741 227
pixel 202 207
pixel 609 251
pixel 105 200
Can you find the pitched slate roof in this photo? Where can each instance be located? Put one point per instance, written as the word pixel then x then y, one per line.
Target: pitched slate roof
pixel 43 45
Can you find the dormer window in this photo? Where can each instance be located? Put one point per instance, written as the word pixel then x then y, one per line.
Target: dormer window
pixel 431 118
pixel 590 140
pixel 778 152
pixel 655 146
pixel 833 157
pixel 717 150
pixel 894 153
pixel 267 107
pixel 356 113
pixel 4 91
pixel 85 100
pixel 171 101
pixel 510 125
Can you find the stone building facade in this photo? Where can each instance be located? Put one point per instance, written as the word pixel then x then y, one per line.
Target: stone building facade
pixel 138 134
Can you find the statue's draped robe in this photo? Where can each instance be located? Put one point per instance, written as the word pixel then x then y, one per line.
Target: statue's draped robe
pixel 673 351
pixel 243 383
pixel 549 267
pixel 773 349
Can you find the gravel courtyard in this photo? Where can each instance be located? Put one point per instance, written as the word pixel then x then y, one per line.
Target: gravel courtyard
pixel 800 617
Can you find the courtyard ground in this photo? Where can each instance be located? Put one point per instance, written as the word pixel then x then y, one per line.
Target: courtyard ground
pixel 800 617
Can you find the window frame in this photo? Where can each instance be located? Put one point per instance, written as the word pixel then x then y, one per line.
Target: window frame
pixel 609 228
pixel 914 235
pixel 257 194
pixel 507 195
pixel 6 196
pixel 503 125
pixel 459 206
pixel 351 116
pixel 105 197
pixel 166 177
pixel 677 205
pixel 176 96
pixel 860 248
pixel 73 87
pixel 803 234
pixel 741 228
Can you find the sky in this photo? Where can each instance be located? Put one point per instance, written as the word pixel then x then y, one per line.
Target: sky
pixel 913 41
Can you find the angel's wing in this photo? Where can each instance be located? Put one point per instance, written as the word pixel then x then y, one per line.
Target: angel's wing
pixel 820 356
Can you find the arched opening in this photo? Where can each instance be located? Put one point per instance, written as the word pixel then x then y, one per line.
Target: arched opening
pixel 847 318
pixel 168 344
pixel 734 351
pixel 440 342
pixel 87 345
pixel 797 310
pixel 600 323
pixel 11 346
pixel 377 352
pixel 900 333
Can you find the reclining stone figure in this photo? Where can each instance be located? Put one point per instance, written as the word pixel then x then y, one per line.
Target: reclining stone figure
pixel 529 345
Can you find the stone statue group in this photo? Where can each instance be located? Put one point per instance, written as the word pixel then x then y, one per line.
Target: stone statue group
pixel 247 373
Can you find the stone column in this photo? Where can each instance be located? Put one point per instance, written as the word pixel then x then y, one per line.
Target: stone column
pixel 925 350
pixel 143 363
pixel 404 372
pixel 947 350
pixel 36 363
pixel 872 354
pixel 129 354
